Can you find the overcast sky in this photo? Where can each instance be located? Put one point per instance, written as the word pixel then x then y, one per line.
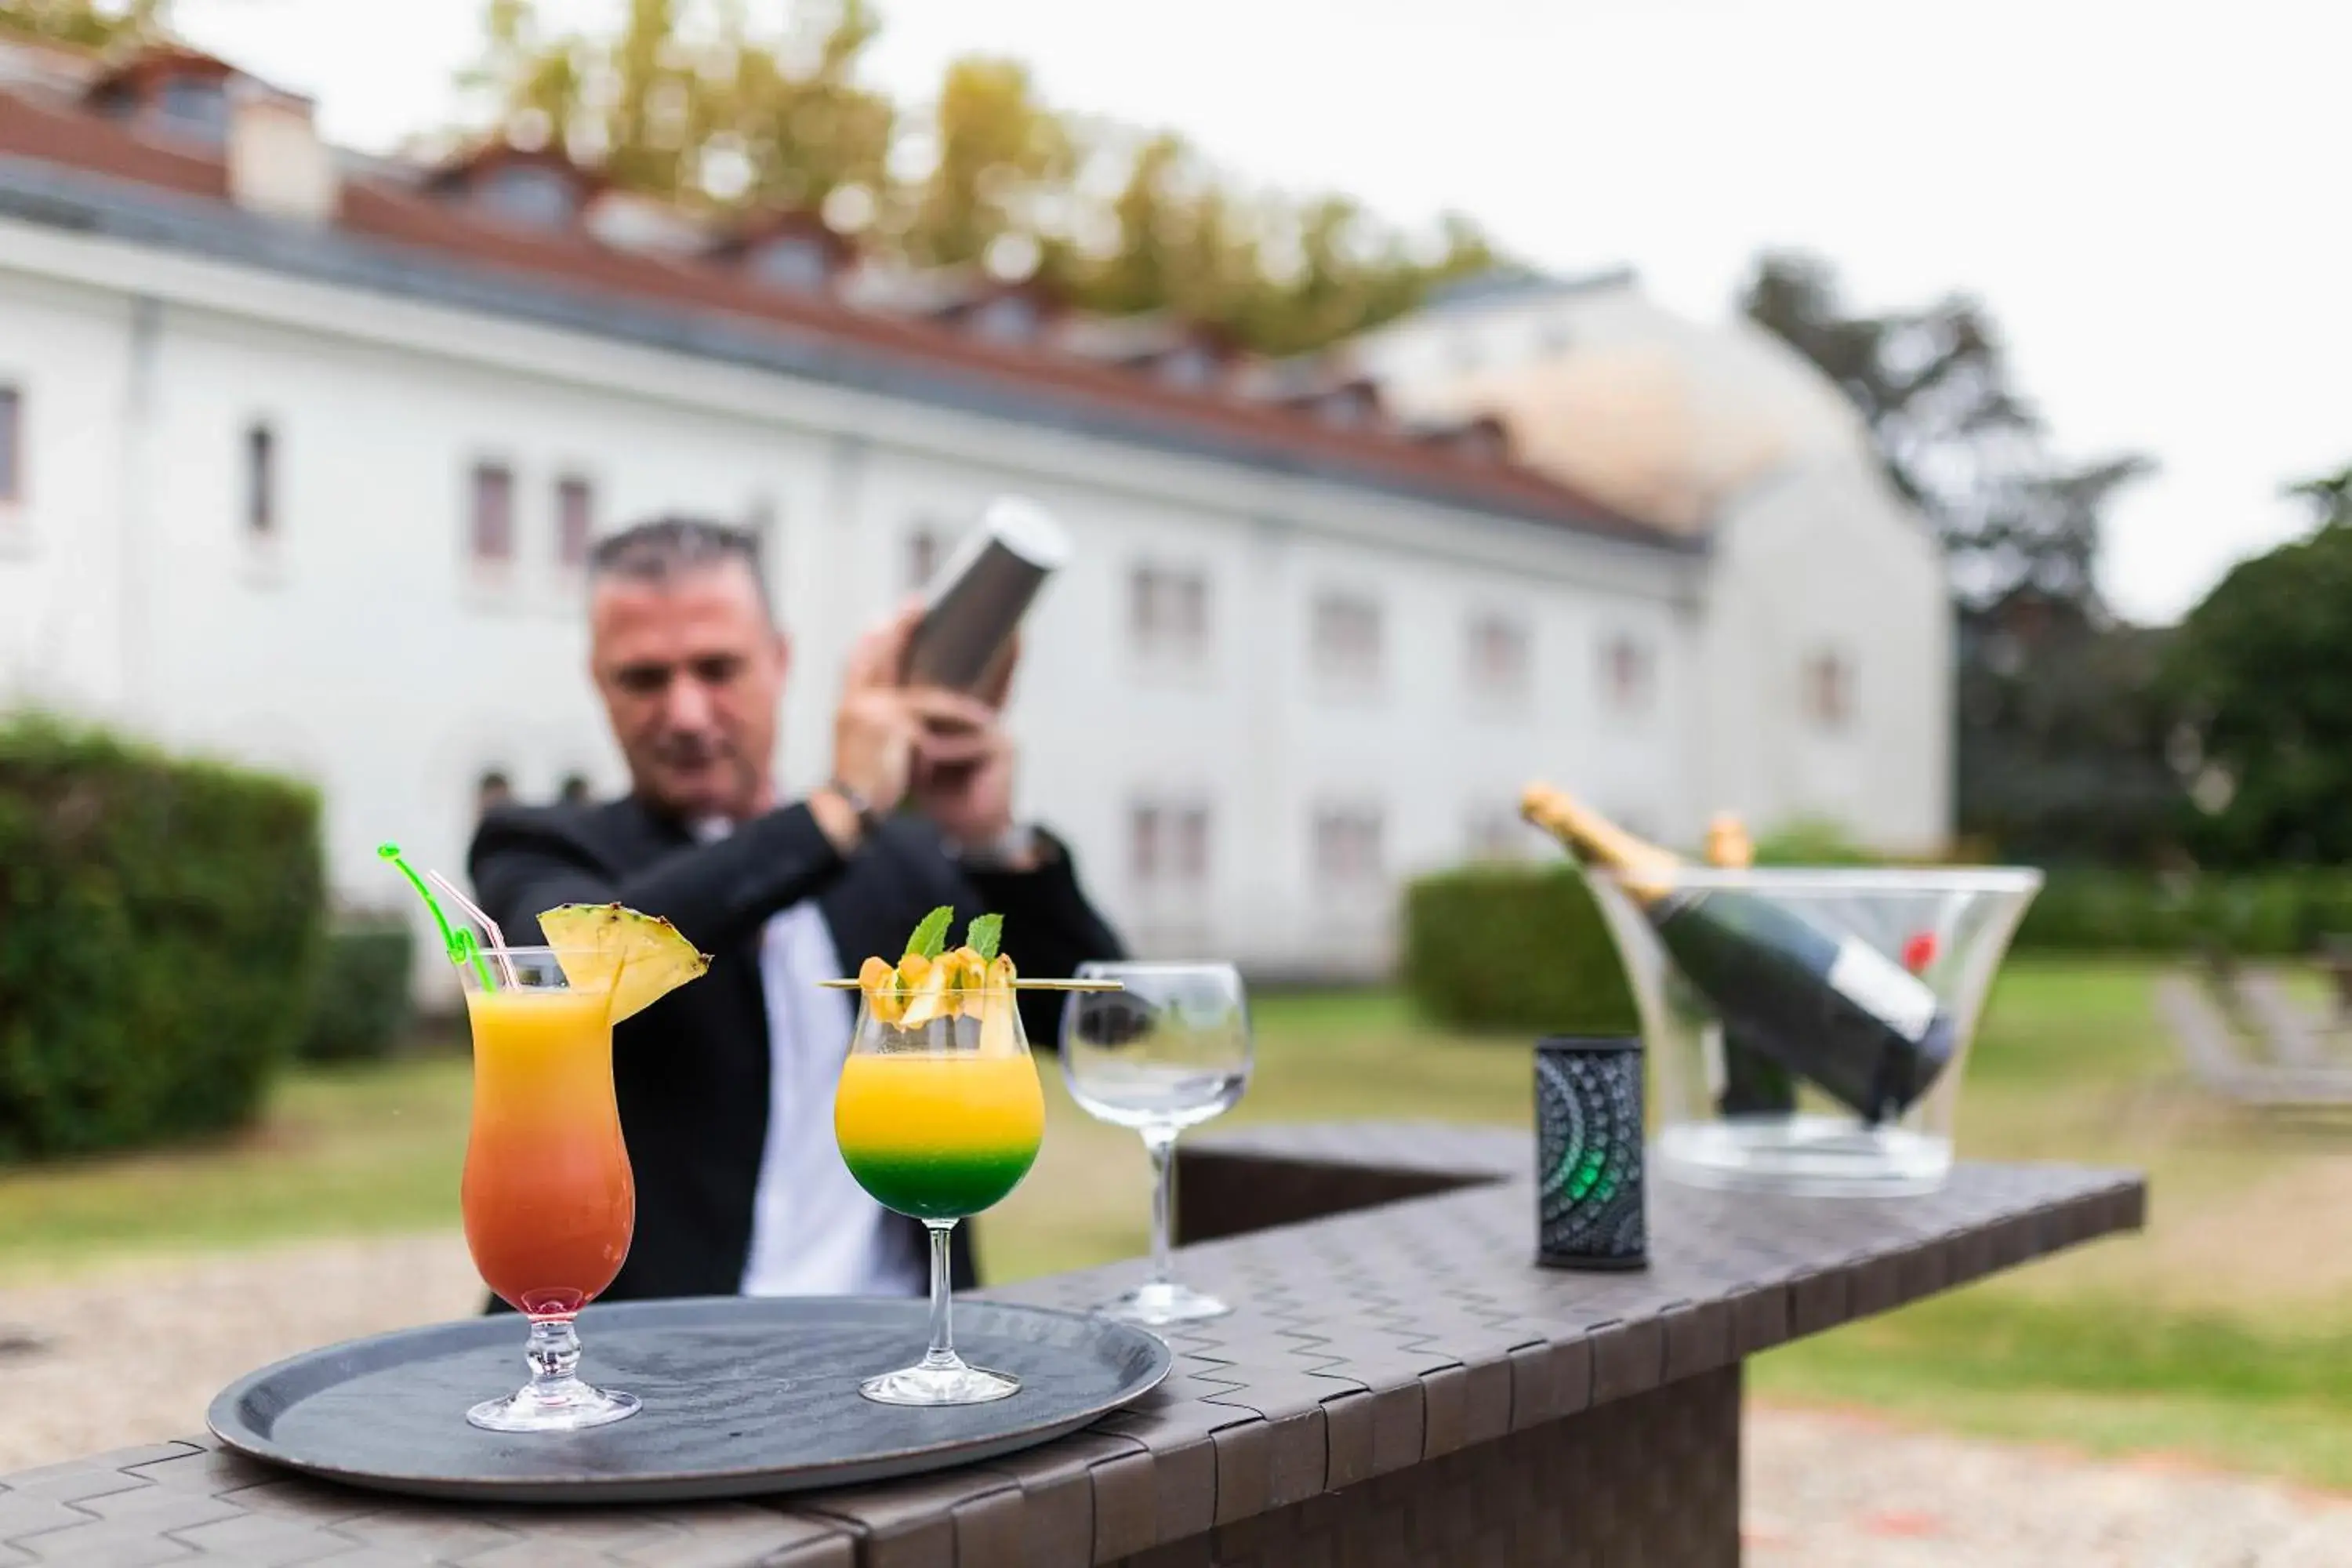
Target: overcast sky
pixel 2152 205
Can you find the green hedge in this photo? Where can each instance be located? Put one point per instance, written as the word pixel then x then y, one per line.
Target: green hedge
pixel 2276 914
pixel 1525 950
pixel 159 928
pixel 363 1008
pixel 1516 948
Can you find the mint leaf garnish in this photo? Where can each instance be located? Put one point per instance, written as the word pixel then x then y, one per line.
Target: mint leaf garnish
pixel 983 935
pixel 930 938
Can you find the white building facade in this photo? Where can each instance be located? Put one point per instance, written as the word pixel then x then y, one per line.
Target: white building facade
pixel 310 489
pixel 1822 669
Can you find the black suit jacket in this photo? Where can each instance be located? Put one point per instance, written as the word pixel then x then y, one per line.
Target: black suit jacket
pixel 691 1071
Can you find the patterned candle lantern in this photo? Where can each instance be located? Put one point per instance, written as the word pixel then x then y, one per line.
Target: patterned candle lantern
pixel 1589 1192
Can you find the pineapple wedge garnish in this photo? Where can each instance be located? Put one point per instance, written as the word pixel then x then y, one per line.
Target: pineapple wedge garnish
pixel 997 1006
pixel 880 983
pixel 641 958
pixel 926 981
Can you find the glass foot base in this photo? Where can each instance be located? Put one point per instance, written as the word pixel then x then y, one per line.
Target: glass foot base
pixel 1164 1302
pixel 568 1405
pixel 957 1384
pixel 1805 1156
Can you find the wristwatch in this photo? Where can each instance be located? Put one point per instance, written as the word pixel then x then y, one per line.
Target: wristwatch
pixel 869 819
pixel 1019 848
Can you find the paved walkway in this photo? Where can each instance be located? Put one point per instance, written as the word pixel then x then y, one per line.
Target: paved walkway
pixel 1837 1490
pixel 134 1356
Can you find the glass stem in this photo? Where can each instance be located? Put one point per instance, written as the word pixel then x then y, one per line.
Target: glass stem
pixel 942 1355
pixel 554 1352
pixel 1161 1141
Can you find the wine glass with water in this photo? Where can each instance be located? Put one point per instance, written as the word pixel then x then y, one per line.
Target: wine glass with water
pixel 1167 1051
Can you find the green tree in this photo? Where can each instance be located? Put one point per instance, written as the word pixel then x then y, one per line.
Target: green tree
pixel 2329 494
pixel 1956 437
pixel 2064 732
pixel 1000 158
pixel 1277 275
pixel 2258 671
pixel 1174 241
pixel 2062 728
pixel 94 23
pixel 687 102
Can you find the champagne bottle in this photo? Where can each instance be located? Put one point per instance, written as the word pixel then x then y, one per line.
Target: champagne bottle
pixel 1753 1083
pixel 1832 1009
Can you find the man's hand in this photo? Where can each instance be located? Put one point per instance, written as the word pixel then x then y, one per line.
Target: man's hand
pixel 873 732
pixel 945 750
pixel 963 767
pixel 964 761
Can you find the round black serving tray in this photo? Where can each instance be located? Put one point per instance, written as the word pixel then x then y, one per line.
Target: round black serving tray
pixel 741 1397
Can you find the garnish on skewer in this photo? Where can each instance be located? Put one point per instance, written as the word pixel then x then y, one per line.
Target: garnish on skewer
pixel 932 981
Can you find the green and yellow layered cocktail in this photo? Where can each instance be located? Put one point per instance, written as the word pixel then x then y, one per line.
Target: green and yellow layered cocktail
pixel 939 1115
pixel 938 1135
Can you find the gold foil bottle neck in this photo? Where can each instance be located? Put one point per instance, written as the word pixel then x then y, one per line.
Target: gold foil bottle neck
pixel 1643 870
pixel 1728 843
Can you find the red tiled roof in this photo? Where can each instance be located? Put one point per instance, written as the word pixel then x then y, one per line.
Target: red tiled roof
pixel 470 163
pixel 780 222
pixel 83 141
pixel 140 72
pixel 401 214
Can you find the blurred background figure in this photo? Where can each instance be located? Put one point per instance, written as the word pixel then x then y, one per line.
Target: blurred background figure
pixel 494 791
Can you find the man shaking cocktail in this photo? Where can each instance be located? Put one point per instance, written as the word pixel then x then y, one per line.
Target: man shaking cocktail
pixel 726 1086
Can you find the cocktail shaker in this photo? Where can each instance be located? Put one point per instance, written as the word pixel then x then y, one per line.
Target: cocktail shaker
pixel 977 599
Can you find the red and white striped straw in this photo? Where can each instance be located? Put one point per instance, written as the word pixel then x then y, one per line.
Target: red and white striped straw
pixel 498 937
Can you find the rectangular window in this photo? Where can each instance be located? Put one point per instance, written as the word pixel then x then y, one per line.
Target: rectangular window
pixel 1628 675
pixel 1191 856
pixel 1348 847
pixel 1168 845
pixel 923 557
pixel 12 444
pixel 1143 844
pixel 1829 692
pixel 1168 613
pixel 260 481
pixel 1346 636
pixel 576 521
pixel 1500 660
pixel 493 513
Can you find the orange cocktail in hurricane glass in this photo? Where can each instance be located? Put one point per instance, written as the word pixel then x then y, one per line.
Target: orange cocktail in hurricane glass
pixel 549 1200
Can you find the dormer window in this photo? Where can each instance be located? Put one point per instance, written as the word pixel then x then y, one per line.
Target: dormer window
pixel 528 194
pixel 796 261
pixel 1007 318
pixel 1483 441
pixel 1190 367
pixel 170 91
pixel 1345 407
pixel 194 106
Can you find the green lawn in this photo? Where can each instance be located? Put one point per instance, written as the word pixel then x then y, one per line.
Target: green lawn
pixel 2224 1334
pixel 340 1152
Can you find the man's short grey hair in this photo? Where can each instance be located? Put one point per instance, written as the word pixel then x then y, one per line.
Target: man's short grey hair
pixel 667 548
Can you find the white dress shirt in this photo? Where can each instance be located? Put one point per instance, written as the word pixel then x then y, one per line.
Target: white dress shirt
pixel 813 1230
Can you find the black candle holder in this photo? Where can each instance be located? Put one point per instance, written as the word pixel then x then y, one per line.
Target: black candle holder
pixel 1590 1197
